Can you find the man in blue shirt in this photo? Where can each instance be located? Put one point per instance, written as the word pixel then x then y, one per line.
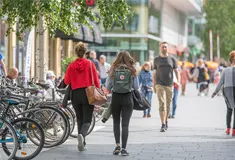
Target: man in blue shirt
pixel 2 66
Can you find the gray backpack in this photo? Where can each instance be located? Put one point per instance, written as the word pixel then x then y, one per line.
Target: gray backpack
pixel 122 80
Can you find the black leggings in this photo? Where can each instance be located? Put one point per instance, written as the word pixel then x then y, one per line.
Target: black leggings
pixel 229 117
pixel 83 110
pixel 122 106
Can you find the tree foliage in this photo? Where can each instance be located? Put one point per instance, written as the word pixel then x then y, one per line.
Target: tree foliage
pixel 64 15
pixel 220 17
pixel 66 61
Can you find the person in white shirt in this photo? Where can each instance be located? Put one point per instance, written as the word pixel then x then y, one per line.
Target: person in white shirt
pixel 104 68
pixel 51 81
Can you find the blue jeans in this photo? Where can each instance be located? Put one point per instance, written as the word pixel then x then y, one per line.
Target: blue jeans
pixel 148 95
pixel 103 81
pixel 174 101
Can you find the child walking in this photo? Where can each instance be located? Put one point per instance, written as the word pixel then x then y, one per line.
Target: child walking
pixel 146 83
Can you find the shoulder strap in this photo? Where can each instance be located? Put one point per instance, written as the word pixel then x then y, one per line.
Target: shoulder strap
pixel 92 78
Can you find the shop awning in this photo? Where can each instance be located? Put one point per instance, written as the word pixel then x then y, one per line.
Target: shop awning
pixel 96 33
pixel 87 34
pixel 84 34
pixel 75 36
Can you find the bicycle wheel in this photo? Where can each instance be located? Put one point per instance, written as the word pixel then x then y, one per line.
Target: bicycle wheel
pixel 67 129
pixel 71 117
pixel 54 124
pixel 8 140
pixel 29 145
pixel 92 124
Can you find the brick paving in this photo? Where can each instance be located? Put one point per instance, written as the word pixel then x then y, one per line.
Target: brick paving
pixel 197 133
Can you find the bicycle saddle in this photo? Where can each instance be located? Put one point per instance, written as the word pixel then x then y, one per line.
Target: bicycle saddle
pixel 43 85
pixel 12 101
pixel 62 91
pixel 30 90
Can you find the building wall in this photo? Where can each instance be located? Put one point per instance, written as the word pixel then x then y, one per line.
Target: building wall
pixel 173 25
pixel 3 41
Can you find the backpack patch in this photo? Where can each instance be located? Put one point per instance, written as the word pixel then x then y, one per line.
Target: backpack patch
pixel 122 80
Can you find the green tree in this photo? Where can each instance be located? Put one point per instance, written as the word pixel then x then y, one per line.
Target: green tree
pixel 65 63
pixel 61 14
pixel 220 17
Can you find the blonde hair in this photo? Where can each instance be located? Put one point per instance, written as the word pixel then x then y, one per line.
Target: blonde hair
pixel 232 57
pixel 80 49
pixel 200 62
pixel 145 64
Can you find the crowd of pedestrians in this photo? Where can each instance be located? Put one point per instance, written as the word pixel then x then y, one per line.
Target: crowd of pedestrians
pixel 161 75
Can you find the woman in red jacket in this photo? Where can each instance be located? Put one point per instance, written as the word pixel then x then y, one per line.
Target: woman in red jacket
pixel 78 75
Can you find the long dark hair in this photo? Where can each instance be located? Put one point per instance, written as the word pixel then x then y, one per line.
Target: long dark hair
pixel 123 58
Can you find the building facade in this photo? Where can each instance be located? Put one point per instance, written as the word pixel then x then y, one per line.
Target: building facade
pixel 153 21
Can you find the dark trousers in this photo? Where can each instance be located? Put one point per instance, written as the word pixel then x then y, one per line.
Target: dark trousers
pixel 122 106
pixel 83 110
pixel 230 112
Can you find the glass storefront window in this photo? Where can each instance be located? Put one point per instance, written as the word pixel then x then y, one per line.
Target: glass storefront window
pixel 111 46
pixel 154 17
pixel 136 23
pixel 153 47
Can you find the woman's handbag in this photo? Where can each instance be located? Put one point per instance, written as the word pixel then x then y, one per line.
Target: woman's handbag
pixel 95 95
pixel 207 76
pixel 140 103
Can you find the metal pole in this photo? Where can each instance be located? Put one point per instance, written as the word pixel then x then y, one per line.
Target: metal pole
pixel 211 45
pixel 42 49
pixel 130 24
pixel 218 46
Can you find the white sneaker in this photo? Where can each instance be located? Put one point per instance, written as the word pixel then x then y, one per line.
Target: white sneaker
pixel 81 146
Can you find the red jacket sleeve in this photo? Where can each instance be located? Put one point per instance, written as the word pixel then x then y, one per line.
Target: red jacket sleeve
pixel 95 75
pixel 67 77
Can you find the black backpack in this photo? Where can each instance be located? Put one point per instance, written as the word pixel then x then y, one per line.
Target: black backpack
pixel 122 80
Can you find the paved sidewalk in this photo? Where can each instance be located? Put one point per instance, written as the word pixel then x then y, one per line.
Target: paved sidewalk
pixel 197 133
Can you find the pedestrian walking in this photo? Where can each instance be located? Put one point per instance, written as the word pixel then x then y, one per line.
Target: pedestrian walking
pixel 51 81
pixel 122 80
pixel 184 74
pixel 92 57
pixel 79 76
pixel 137 67
pixel 3 70
pixel 104 68
pixel 164 66
pixel 227 84
pixel 175 97
pixel 146 83
pixel 201 74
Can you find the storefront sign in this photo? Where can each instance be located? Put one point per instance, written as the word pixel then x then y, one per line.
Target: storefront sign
pixel 28 56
